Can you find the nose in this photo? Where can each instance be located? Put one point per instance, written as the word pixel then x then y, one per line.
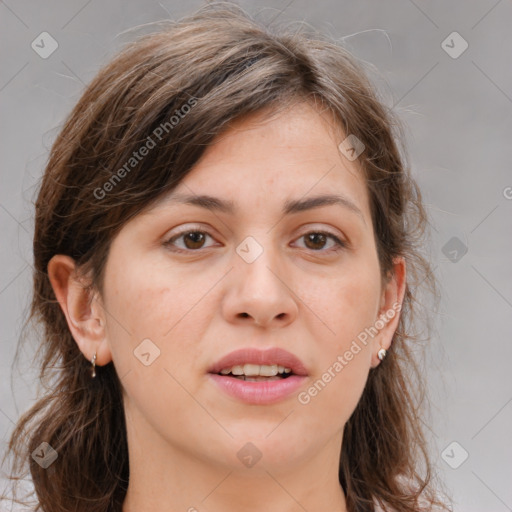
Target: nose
pixel 260 293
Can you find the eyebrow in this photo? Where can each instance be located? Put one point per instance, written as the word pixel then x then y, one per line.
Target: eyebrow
pixel 290 206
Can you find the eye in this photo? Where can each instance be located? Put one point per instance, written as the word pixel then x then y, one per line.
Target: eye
pixel 317 240
pixel 192 239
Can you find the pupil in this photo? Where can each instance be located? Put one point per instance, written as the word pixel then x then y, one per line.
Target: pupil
pixel 317 238
pixel 195 237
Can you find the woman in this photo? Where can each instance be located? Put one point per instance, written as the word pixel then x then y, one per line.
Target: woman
pixel 226 244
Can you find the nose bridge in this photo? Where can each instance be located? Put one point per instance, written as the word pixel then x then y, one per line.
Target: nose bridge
pixel 255 259
pixel 258 291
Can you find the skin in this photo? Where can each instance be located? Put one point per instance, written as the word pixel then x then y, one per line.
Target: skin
pixel 197 306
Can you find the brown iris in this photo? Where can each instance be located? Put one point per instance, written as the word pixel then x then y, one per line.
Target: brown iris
pixel 194 239
pixel 315 238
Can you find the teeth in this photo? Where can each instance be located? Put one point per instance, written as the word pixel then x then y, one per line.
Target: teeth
pixel 237 370
pixel 254 370
pixel 269 371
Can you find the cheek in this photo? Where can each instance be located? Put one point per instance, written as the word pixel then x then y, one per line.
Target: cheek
pixel 152 301
pixel 346 306
pixel 140 306
pixel 344 303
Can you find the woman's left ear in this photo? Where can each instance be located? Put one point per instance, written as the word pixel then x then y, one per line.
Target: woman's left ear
pixel 389 312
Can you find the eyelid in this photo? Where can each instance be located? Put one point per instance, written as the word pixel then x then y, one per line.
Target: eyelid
pixel 168 241
pixel 339 242
pixel 315 227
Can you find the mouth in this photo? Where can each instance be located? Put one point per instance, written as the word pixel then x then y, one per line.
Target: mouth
pixel 259 377
pixel 257 373
pixel 252 362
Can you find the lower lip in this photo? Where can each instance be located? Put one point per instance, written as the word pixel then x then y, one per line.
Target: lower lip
pixel 259 393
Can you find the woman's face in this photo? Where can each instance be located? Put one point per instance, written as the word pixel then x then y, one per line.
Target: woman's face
pixel 189 282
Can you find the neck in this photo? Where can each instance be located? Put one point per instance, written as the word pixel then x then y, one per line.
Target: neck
pixel 169 478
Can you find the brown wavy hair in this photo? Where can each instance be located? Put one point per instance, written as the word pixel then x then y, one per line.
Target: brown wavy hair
pixel 228 65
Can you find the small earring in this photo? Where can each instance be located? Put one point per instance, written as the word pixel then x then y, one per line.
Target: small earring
pixel 93 361
pixel 381 354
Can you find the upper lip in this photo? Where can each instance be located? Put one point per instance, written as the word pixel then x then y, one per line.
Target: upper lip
pixel 270 356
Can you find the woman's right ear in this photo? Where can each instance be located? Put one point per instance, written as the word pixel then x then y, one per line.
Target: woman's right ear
pixel 84 315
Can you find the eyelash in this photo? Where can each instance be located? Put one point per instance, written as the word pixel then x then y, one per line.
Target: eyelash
pixel 339 245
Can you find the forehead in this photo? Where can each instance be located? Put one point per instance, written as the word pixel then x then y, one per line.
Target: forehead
pixel 264 158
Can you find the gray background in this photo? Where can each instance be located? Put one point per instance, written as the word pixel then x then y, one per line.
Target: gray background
pixel 458 113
